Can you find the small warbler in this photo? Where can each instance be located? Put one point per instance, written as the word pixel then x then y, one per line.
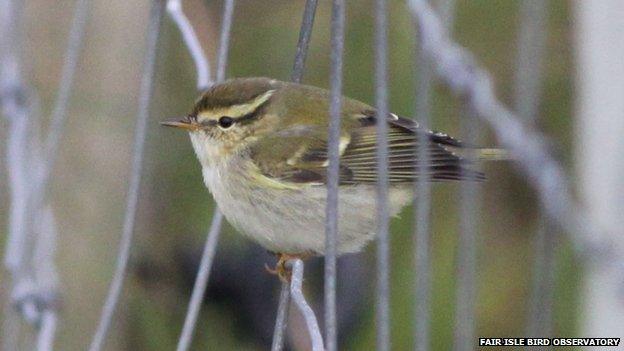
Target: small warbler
pixel 262 145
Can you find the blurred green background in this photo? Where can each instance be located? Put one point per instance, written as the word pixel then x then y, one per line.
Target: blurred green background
pixel 175 209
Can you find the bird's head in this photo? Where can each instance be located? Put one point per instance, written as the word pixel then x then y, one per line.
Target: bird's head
pixel 229 116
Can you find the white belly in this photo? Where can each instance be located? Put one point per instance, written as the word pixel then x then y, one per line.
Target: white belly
pixel 293 221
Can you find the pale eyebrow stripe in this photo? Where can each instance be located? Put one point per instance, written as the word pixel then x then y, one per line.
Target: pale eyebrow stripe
pixel 240 110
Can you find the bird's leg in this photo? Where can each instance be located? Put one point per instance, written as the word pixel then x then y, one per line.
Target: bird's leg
pixel 283 272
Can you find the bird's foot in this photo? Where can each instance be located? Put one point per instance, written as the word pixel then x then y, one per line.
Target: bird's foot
pixel 281 270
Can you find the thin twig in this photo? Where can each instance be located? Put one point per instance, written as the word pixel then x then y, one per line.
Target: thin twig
pixel 383 222
pixel 306 311
pixel 145 96
pixel 201 282
pixel 174 7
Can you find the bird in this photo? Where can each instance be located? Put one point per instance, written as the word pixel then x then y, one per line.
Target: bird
pixel 263 149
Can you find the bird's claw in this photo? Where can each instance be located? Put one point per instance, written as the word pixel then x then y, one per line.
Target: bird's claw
pixel 281 267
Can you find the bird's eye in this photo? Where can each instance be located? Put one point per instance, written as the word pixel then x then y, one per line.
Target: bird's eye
pixel 225 122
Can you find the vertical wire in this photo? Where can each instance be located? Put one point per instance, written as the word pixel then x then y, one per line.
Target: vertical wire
pixel 202 64
pixel 331 213
pixel 528 77
pixel 201 282
pixel 383 245
pixel 145 95
pixel 281 320
pixel 466 290
pixel 14 104
pixel 422 199
pixel 45 339
pixel 24 258
pixel 422 204
pixel 66 84
pixel 465 330
pixel 224 46
pixel 304 39
pixel 467 248
pixel 212 240
pixel 314 332
pixel 305 34
pixel 531 47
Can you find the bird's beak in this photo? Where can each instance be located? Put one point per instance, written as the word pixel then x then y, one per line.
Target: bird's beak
pixel 184 123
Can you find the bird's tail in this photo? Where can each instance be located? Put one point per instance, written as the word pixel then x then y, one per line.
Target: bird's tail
pixel 491 154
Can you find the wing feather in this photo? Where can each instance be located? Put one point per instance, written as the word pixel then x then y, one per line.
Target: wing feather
pixel 301 153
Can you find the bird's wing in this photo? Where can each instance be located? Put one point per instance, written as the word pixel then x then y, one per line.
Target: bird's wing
pixel 299 154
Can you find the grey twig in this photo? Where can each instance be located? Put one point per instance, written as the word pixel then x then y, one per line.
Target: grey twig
pixel 201 282
pixel 304 40
pixel 331 210
pixel 456 67
pixel 174 7
pixel 306 311
pixel 383 222
pixel 123 255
